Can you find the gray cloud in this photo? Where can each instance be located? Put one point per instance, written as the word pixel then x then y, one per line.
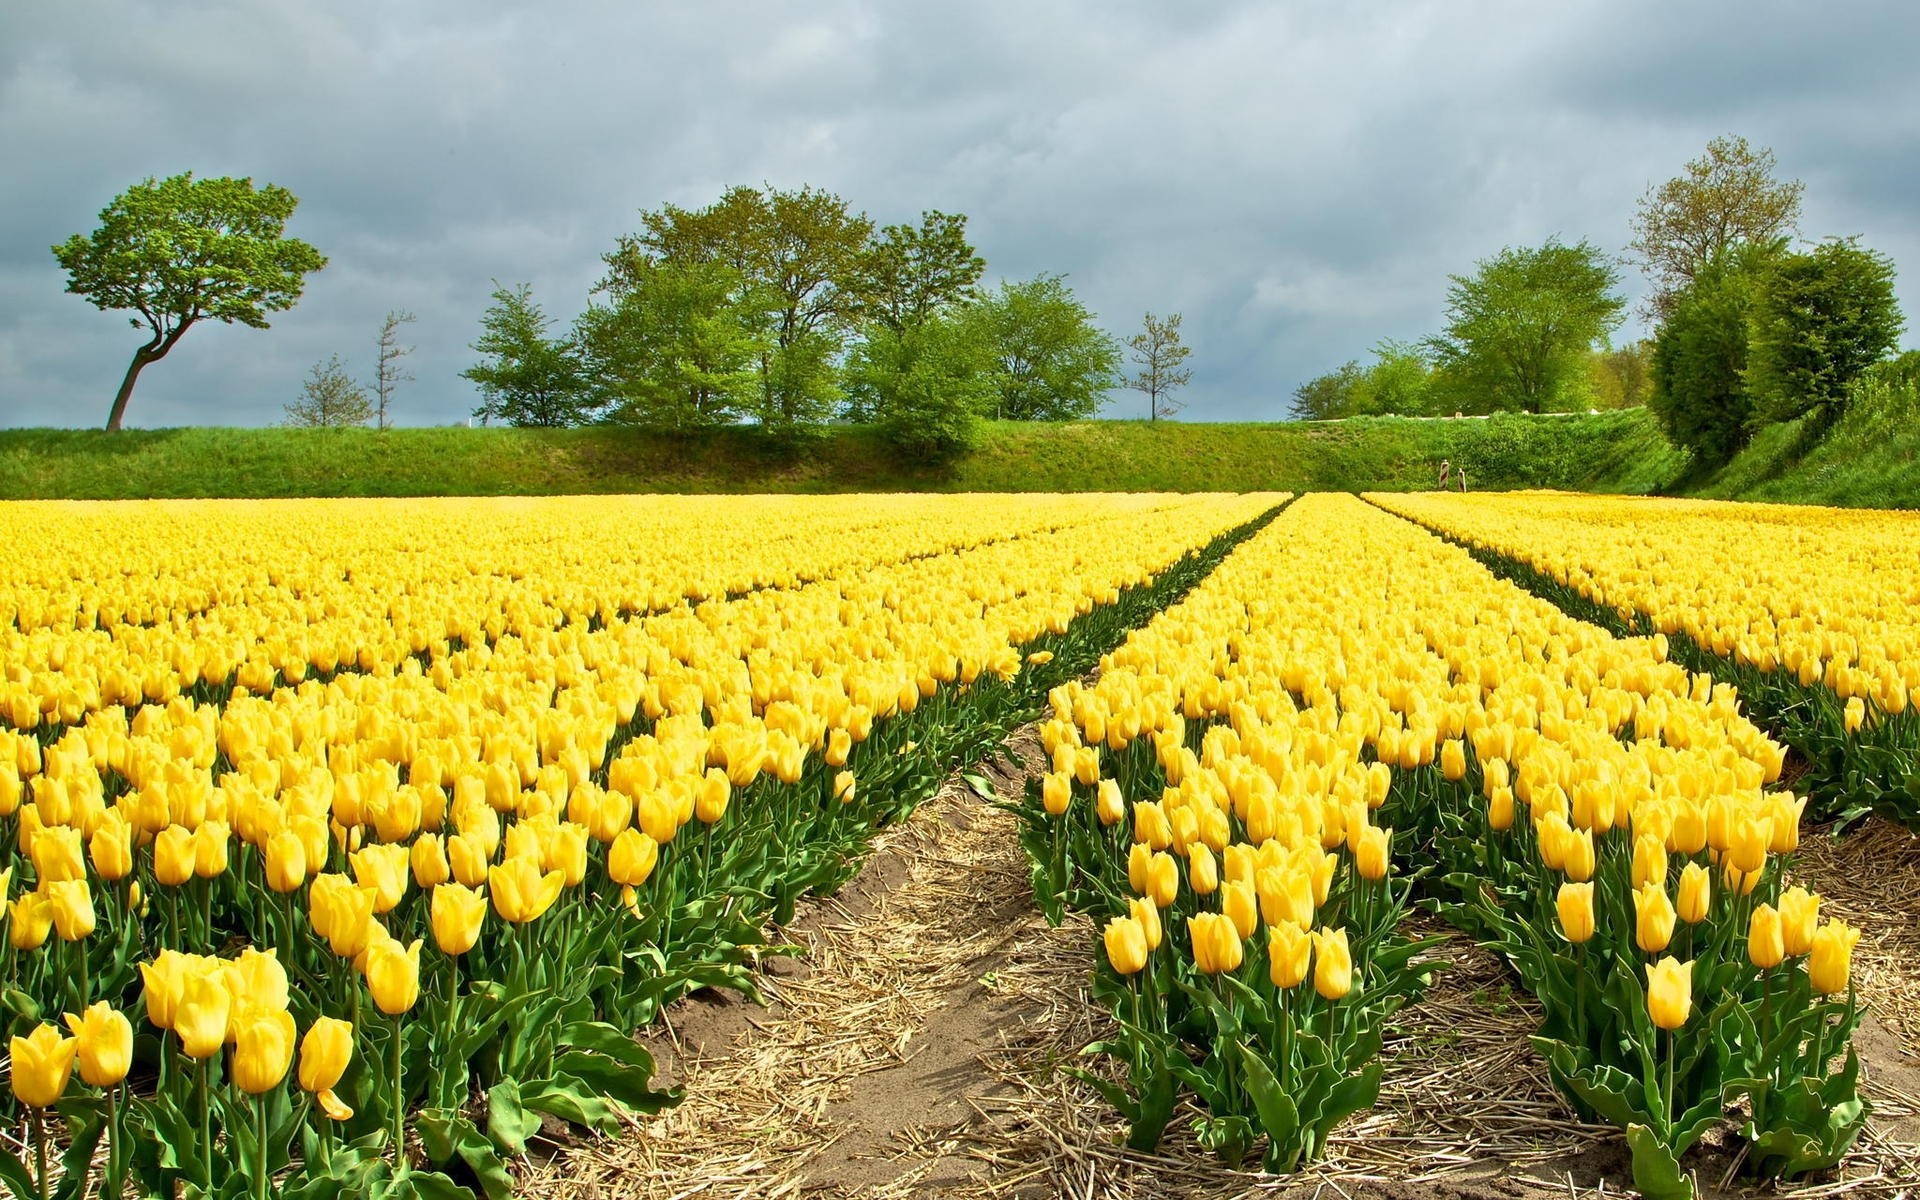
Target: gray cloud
pixel 1297 179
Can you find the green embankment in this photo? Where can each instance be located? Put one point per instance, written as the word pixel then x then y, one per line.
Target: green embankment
pixel 1604 452
pixel 1869 458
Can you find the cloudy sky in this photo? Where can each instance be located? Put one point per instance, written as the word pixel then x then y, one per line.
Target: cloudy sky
pixel 1298 178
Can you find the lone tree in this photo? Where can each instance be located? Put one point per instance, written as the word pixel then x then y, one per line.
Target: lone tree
pixel 387 371
pixel 1158 351
pixel 527 378
pixel 183 250
pixel 1726 197
pixel 330 398
pixel 1821 319
pixel 1521 327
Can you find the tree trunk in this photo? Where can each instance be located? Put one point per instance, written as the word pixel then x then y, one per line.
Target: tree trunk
pixel 141 358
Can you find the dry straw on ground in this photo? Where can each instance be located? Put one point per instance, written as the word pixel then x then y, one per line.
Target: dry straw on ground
pixel 915 1049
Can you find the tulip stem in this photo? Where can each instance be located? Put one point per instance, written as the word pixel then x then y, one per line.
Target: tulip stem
pixel 203 1070
pixel 260 1135
pixel 399 1115
pixel 115 1186
pixel 453 1001
pixel 40 1147
pixel 1666 1093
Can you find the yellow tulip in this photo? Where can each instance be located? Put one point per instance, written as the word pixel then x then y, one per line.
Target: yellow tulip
pixel 1766 948
pixel 1696 893
pixel 1832 956
pixel 469 858
pixel 632 858
pixel 1285 896
pixel 566 852
pixel 1289 950
pixel 210 849
pixel 1649 860
pixel 1799 917
pixel 1370 852
pixel 1109 805
pixel 1143 910
pixel 286 857
pixel 1216 943
pixel 56 854
pixel 1126 945
pixel 393 975
pixel 263 1050
pixel 1139 862
pixel 1670 992
pixel 164 980
pixel 1203 873
pixel 324 1054
pixel 521 892
pixel 111 847
pixel 173 855
pixel 1500 809
pixel 343 914
pixel 383 870
pixel 1578 862
pixel 1163 879
pixel 1240 906
pixel 457 915
pixel 428 858
pixel 1453 760
pixel 71 903
pixel 1747 847
pixel 201 1017
pixel 1332 964
pixel 1575 903
pixel 715 790
pixel 29 920
pixel 104 1040
pixel 839 746
pixel 257 982
pixel 844 786
pixel 1653 917
pixel 42 1064
pixel 1855 715
pixel 1056 793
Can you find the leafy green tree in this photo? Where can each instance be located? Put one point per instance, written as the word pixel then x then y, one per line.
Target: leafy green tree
pixel 527 378
pixel 926 385
pixel 1399 381
pixel 1699 367
pixel 1330 397
pixel 678 348
pixel 1157 351
pixel 1725 197
pixel 796 252
pixel 1521 326
pixel 1823 317
pixel 183 250
pixel 1623 375
pixel 908 274
pixel 1052 362
pixel 329 398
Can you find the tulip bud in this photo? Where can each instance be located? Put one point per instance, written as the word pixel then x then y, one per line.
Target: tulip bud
pixel 1653 917
pixel 202 1015
pixel 1453 760
pixel 1056 793
pixel 1500 809
pixel 286 857
pixel 1575 903
pixel 521 893
pixel 1370 852
pixel 1289 949
pixel 104 1039
pixel 1579 859
pixel 210 849
pixel 1799 916
pixel 1216 943
pixel 1163 880
pixel 384 871
pixel 111 847
pixel 1649 860
pixel 1126 945
pixel 1832 957
pixel 42 1064
pixel 1332 964
pixel 428 858
pixel 1239 905
pixel 29 920
pixel 1109 805
pixel 1670 992
pixel 1765 947
pixel 844 787
pixel 257 981
pixel 839 746
pixel 1203 874
pixel 173 855
pixel 468 859
pixel 71 903
pixel 324 1055
pixel 393 975
pixel 1696 893
pixel 263 1050
pixel 1142 909
pixel 457 914
pixel 631 858
pixel 566 852
pixel 715 790
pixel 1855 715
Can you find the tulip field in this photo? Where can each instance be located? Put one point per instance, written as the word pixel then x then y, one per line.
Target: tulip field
pixel 346 844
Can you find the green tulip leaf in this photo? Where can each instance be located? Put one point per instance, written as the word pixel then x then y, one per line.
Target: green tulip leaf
pixel 1656 1172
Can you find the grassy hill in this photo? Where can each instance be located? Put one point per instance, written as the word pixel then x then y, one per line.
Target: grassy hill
pixel 1607 452
pixel 1868 459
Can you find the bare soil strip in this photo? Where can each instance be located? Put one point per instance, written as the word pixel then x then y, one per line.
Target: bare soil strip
pixel 914 1047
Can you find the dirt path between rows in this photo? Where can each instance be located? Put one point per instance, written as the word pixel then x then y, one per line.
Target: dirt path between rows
pixel 913 1049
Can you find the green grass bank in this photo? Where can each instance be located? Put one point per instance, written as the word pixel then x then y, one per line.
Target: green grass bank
pixel 1872 457
pixel 1608 452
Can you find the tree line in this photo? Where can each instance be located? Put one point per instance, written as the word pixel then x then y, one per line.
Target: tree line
pixel 778 309
pixel 1748 328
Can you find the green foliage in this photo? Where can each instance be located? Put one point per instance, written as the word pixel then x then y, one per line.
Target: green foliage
pixel 1520 328
pixel 1157 350
pixel 527 378
pixel 330 397
pixel 799 257
pixel 179 251
pixel 1399 382
pixel 1332 396
pixel 1054 363
pixel 1700 382
pixel 927 385
pixel 907 275
pixel 679 348
pixel 1726 197
pixel 1623 375
pixel 1822 318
